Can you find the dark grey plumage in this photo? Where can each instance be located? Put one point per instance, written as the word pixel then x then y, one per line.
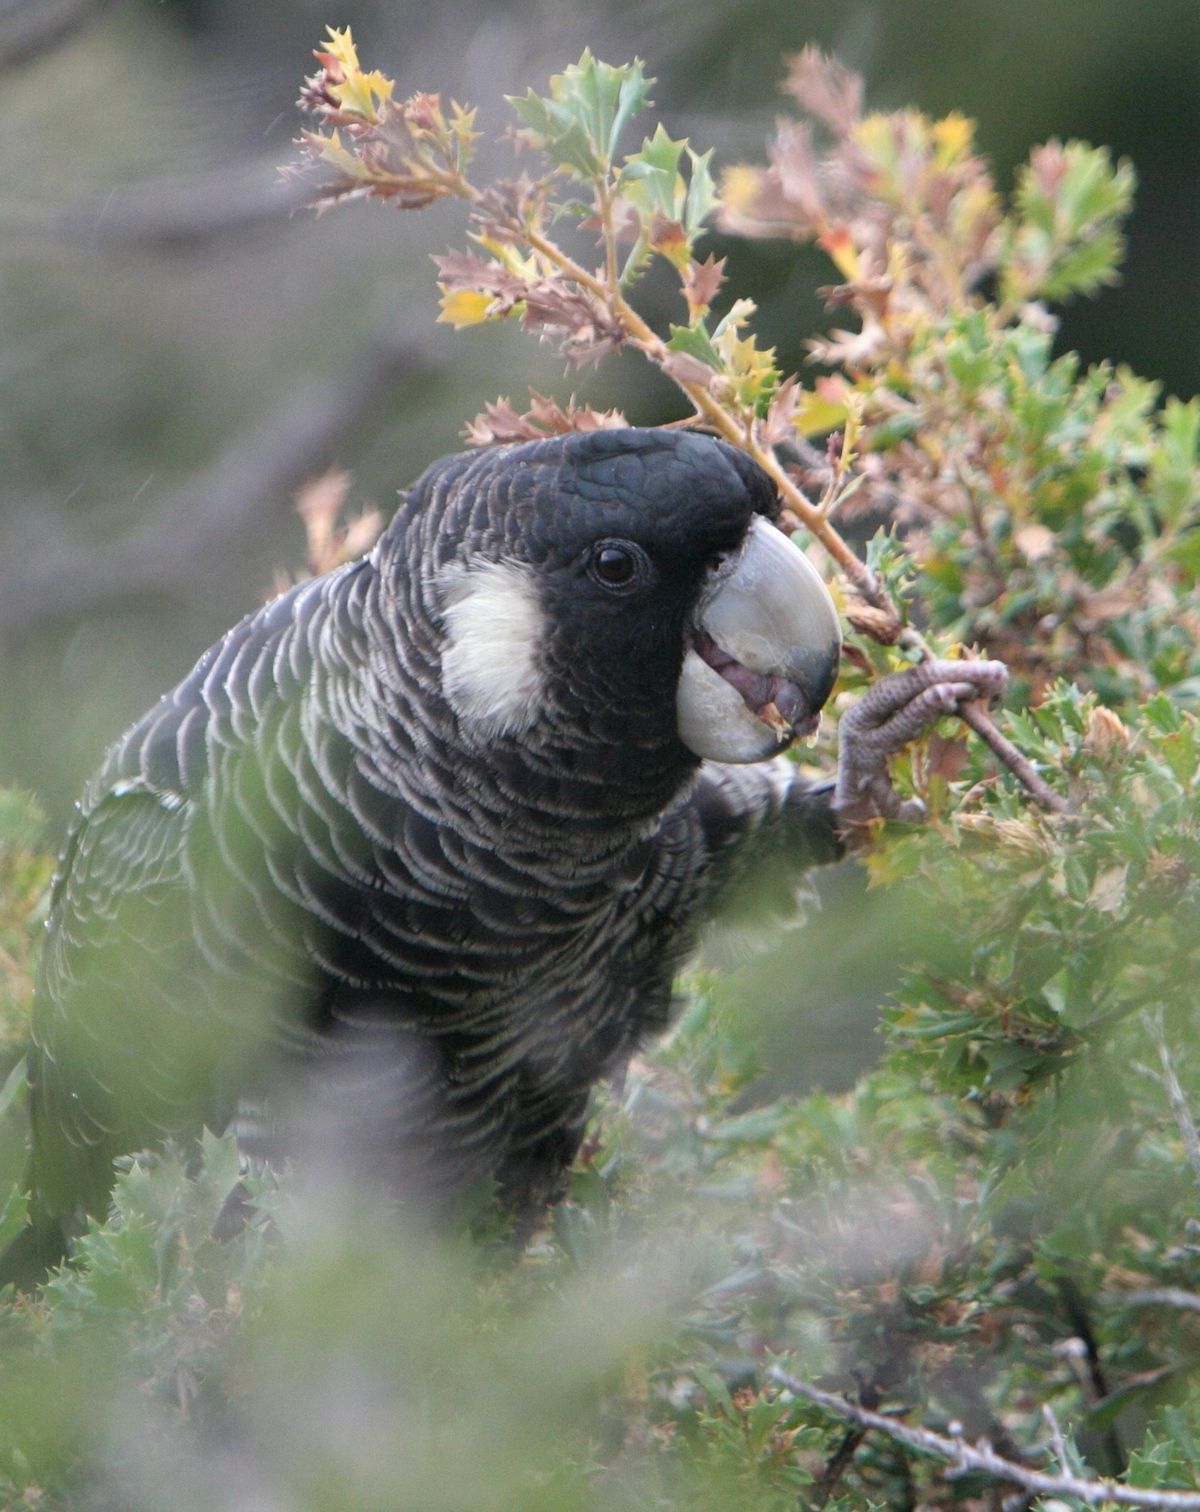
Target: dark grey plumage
pixel 323 885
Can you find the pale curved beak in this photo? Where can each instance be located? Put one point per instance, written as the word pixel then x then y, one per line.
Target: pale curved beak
pixel 763 652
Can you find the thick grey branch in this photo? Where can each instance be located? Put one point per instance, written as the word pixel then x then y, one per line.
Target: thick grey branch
pixel 258 473
pixel 964 1457
pixel 180 216
pixel 29 28
pixel 1154 1296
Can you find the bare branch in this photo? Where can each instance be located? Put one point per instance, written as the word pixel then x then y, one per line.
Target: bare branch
pixel 166 216
pixel 257 474
pixel 981 1457
pixel 1016 761
pixel 838 1463
pixel 1056 1435
pixel 1153 1296
pixel 29 30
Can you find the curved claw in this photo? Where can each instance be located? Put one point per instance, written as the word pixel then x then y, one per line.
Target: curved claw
pixel 896 711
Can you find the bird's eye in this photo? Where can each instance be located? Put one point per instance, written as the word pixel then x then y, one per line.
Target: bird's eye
pixel 617 564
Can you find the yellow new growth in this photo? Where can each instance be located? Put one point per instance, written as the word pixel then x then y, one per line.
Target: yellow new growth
pixel 340 49
pixel 506 254
pixel 740 187
pixel 953 137
pixel 751 368
pixel 816 414
pixel 333 152
pixel 358 93
pixel 464 307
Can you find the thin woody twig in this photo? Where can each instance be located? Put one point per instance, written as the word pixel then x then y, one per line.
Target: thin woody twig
pixel 1056 1435
pixel 1154 1296
pixel 964 1458
pixel 213 514
pixel 1017 763
pixel 837 1465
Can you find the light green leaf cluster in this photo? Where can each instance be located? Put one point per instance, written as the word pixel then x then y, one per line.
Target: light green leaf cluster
pixel 579 124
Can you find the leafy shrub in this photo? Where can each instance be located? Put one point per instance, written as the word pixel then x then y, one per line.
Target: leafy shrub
pixel 994 1232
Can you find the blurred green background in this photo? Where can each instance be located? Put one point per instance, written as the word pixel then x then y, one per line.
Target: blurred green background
pixel 179 349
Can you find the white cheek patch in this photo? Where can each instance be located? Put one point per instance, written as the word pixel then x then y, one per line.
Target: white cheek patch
pixel 494 631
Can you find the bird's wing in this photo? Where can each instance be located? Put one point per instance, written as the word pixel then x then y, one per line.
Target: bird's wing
pixel 117 958
pixel 741 831
pixel 767 810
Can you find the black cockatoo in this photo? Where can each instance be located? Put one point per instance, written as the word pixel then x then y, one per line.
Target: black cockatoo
pixel 412 856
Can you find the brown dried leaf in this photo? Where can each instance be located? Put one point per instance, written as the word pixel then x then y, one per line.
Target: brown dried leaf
pixel 1108 890
pixel 754 205
pixel 585 330
pixel 1047 165
pixel 794 169
pixel 851 349
pixel 779 424
pixel 466 272
pixel 500 423
pixel 684 368
pixel 319 502
pixel 878 624
pixel 945 756
pixel 825 88
pixel 508 205
pixel 702 282
pixel 1034 541
pixel 1107 738
pixel 857 658
pixel 1014 834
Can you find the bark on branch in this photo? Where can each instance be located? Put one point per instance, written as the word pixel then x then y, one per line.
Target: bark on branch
pixel 963 1457
pixel 207 518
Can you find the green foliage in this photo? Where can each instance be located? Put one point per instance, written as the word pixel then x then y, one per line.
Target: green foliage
pixel 580 122
pixel 1001 1217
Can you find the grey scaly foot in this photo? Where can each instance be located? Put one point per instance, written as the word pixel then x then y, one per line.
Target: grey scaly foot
pixel 899 709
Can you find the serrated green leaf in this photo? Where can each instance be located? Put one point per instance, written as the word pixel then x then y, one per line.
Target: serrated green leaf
pixel 659 158
pixel 1086 266
pixel 701 194
pixel 695 341
pixel 737 315
pixel 590 103
pixel 222 1162
pixel 1091 188
pixel 558 134
pixel 1174 478
pixel 633 96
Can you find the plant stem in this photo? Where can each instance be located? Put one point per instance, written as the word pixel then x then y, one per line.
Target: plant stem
pixel 963 1457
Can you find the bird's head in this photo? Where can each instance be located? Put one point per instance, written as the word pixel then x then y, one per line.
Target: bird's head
pixel 621 588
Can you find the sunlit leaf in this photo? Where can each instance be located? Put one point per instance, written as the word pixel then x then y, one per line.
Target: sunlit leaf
pixel 465 307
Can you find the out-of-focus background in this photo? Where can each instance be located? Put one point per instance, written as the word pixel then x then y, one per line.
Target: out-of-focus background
pixel 180 347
